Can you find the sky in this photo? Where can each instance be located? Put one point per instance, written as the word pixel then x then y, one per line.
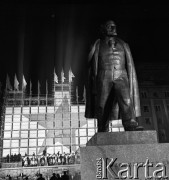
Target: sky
pixel 38 36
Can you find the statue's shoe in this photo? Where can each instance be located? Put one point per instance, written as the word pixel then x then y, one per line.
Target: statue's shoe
pixel 132 125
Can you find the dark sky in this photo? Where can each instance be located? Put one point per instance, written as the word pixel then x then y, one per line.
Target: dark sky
pixel 37 36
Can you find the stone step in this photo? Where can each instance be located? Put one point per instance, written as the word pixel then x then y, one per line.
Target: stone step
pixel 122 138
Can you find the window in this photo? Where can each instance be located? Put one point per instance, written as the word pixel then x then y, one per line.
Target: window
pixel 91 132
pixel 148 121
pixel 7 134
pixel 145 108
pixel 6 143
pixel 162 135
pixel 66 141
pixel 25 110
pixel 32 142
pixel 49 141
pixel 166 93
pixel 15 143
pixel 15 134
pixel 16 126
pixel 82 132
pixel 8 118
pixel 33 134
pixel 91 123
pixel 144 94
pixel 23 151
pixel 24 134
pixel 16 118
pixel 17 110
pixel 155 95
pixel 160 120
pixel 8 126
pixel 41 133
pixel 6 152
pixel 24 143
pixel 33 125
pixel 157 108
pixel 40 142
pixel 24 125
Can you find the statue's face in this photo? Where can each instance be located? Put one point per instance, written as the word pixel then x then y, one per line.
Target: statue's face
pixel 110 28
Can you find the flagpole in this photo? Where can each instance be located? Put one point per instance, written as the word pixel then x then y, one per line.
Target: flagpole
pixel 54 86
pixel 38 93
pixel 6 82
pixel 54 107
pixel 30 96
pixel 22 89
pixel 70 92
pixel 62 78
pixel 46 93
pixel 14 90
pixel 77 100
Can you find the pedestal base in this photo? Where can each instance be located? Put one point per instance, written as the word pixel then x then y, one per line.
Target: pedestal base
pixel 125 156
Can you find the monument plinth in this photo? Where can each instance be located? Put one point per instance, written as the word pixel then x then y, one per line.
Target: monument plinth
pixel 125 155
pixel 122 138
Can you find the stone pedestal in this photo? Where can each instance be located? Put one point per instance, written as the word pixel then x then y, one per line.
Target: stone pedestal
pixel 124 154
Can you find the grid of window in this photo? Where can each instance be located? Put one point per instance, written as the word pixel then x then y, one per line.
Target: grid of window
pixel 32 129
pixel 34 125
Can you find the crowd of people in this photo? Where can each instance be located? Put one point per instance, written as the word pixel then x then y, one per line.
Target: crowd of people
pixel 45 159
pixel 51 159
pixel 55 176
pixel 13 158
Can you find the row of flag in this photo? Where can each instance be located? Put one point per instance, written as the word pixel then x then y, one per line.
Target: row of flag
pixel 24 83
pixel 71 75
pixel 16 83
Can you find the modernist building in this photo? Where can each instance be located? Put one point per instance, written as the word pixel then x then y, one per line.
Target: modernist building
pixel 30 125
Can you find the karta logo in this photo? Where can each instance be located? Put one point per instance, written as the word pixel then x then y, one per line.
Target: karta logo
pixel 124 170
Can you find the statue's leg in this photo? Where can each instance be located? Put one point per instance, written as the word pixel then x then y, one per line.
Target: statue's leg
pixel 125 103
pixel 103 90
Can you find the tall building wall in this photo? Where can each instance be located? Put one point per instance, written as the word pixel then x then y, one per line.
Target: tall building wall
pixel 155 110
pixel 34 124
pixel 53 123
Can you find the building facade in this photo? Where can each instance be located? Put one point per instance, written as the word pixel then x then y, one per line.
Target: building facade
pixel 54 123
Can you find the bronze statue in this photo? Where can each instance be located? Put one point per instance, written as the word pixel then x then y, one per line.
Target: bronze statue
pixel 112 88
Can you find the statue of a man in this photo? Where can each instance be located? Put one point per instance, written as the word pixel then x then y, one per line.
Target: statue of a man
pixel 112 88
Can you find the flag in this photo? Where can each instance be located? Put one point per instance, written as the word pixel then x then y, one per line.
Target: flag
pixel 16 84
pixel 71 75
pixel 55 77
pixel 77 94
pixel 38 87
pixel 24 83
pixel 62 76
pixel 8 84
pixel 30 88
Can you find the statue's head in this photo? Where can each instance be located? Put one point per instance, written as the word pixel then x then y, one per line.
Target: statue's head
pixel 108 28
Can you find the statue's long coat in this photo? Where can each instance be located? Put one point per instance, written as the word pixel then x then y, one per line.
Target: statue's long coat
pixel 91 86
